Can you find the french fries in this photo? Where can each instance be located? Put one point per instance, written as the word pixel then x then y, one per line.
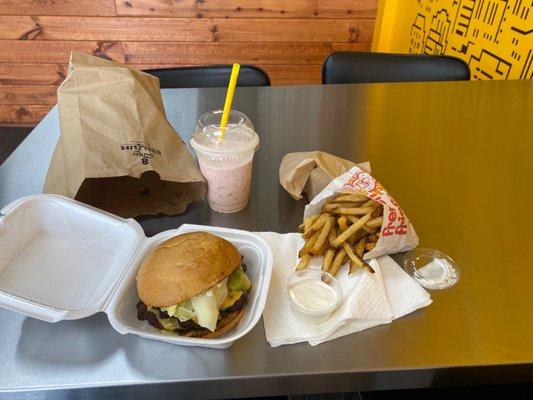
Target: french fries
pixel 353 198
pixel 303 262
pixel 353 219
pixel 338 260
pixel 331 236
pixel 351 230
pixel 328 258
pixel 343 223
pixel 353 210
pixel 373 238
pixel 370 203
pixel 370 246
pixel 355 260
pixel 360 246
pixel 348 226
pixel 378 211
pixel 323 235
pixel 374 223
pixel 331 206
pixel 308 245
pixel 316 225
pixel 309 221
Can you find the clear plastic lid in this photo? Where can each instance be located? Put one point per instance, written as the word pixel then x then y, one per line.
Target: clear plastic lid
pixel 240 138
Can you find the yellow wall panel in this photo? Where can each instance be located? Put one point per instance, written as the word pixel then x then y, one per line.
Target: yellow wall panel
pixel 495 37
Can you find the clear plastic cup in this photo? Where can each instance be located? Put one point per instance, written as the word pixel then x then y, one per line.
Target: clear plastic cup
pixel 320 310
pixel 431 268
pixel 226 164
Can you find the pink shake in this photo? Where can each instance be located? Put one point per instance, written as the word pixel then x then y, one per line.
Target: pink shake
pixel 228 188
pixel 226 160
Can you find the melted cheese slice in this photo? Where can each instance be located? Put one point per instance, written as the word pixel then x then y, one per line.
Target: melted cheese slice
pixel 231 299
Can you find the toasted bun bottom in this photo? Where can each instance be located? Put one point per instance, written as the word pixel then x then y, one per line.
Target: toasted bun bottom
pixel 223 326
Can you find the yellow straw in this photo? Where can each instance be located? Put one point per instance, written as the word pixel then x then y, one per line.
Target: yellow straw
pixel 229 100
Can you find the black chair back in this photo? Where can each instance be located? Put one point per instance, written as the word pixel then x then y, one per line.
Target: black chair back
pixel 208 76
pixel 362 67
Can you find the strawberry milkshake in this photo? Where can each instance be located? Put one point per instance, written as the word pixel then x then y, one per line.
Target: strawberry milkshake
pixel 226 161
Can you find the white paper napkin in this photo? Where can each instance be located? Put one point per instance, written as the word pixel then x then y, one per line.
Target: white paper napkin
pixel 369 299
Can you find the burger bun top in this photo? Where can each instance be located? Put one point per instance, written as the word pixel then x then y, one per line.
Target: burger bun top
pixel 185 266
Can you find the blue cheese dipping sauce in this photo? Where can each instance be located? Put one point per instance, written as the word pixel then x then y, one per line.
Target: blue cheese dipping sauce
pixel 313 295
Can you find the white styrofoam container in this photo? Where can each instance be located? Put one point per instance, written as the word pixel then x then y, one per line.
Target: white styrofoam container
pixel 61 259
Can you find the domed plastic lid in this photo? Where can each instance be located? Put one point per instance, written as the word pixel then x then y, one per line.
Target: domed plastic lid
pixel 239 138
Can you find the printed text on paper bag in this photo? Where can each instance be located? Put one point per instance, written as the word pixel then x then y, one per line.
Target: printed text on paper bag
pixel 141 149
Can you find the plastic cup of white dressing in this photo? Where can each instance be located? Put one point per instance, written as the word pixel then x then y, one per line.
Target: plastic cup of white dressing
pixel 313 295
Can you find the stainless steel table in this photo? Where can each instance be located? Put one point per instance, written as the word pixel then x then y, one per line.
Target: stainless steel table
pixel 456 155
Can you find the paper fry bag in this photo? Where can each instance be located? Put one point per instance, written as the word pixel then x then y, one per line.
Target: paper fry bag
pixel 310 172
pixel 116 150
pixel 397 233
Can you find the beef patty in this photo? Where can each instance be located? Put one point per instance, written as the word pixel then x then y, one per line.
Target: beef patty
pixel 152 317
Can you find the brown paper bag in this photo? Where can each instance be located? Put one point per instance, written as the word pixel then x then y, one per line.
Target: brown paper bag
pixel 116 149
pixel 310 172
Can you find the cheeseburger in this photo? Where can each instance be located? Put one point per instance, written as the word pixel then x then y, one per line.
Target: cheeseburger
pixel 194 285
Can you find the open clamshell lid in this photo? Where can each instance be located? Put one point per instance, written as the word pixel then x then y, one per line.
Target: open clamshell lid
pixel 61 259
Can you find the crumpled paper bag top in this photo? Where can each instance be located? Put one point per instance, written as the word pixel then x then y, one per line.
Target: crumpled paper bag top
pixel 311 171
pixel 117 150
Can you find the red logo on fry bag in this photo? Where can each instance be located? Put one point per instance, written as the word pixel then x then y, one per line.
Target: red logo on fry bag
pixel 363 181
pixel 395 224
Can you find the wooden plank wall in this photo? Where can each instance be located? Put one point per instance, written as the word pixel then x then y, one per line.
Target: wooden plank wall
pixel 288 38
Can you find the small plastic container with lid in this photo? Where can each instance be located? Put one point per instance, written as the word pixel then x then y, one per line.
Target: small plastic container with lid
pixel 225 159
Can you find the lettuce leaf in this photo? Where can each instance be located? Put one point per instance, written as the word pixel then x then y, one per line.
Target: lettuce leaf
pixel 168 323
pixel 206 305
pixel 206 309
pixel 239 281
pixel 185 314
pixel 220 291
pixel 183 311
